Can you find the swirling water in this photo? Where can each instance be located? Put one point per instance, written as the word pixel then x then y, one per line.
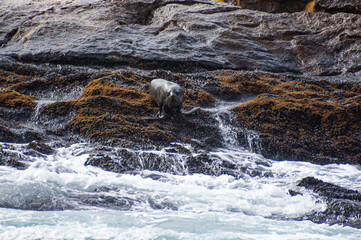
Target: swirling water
pixel 163 205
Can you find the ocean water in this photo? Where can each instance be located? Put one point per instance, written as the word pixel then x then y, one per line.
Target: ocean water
pixel 170 206
pixel 156 205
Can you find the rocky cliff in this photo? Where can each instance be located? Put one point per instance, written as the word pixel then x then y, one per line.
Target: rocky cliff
pixel 79 70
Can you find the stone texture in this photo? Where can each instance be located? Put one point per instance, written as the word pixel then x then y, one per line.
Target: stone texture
pixel 306 119
pixel 93 60
pixel 291 117
pixel 183 35
pixel 334 6
pixel 271 5
pixel 343 205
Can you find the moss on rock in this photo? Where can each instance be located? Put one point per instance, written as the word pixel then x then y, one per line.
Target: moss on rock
pixel 12 99
pixel 302 119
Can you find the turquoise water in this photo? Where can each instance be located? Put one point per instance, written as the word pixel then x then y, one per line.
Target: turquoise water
pixel 193 206
pixel 106 224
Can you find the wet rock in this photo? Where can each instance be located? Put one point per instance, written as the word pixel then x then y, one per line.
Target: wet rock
pixel 301 119
pixel 272 6
pixel 129 161
pixel 213 165
pixel 9 159
pixel 17 135
pixel 182 35
pixel 343 205
pixel 334 6
pixel 294 193
pixel 105 201
pixel 41 147
pixel 6 135
pixel 162 204
pixel 200 164
pixel 339 211
pixel 329 190
pixel 114 165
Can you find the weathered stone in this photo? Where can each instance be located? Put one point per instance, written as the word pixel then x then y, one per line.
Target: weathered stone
pixel 40 147
pixel 271 5
pixel 334 6
pixel 8 159
pixel 329 190
pixel 180 35
pixel 343 205
pixel 295 118
pixel 302 119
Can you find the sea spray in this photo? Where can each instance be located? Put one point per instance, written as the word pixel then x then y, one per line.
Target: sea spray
pixel 159 204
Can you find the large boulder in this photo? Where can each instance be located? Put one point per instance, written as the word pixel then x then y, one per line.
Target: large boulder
pixel 343 205
pixel 182 35
pixel 306 119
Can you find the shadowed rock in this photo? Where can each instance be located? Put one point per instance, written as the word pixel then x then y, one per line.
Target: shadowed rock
pixel 334 6
pixel 343 205
pixel 329 190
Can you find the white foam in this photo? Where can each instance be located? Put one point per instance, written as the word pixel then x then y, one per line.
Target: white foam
pixel 158 225
pixel 201 200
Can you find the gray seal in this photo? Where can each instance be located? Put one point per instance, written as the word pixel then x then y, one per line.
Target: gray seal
pixel 168 96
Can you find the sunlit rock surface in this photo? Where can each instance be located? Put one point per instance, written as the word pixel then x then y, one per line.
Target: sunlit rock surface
pixel 179 35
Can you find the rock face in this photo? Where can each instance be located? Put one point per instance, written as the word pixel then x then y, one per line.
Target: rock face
pixel 183 35
pixel 295 118
pixel 334 6
pixel 343 205
pixel 72 70
pixel 271 5
pixel 306 119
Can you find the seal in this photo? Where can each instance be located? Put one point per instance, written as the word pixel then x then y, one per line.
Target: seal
pixel 168 96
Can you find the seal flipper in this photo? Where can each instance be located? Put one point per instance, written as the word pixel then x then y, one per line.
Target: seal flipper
pixel 161 112
pixel 190 111
pixel 160 115
pixel 154 118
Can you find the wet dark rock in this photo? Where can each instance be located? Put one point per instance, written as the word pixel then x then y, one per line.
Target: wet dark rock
pixel 308 120
pixel 106 189
pixel 162 204
pixel 6 135
pixel 109 164
pixel 8 159
pixel 329 190
pixel 343 205
pixel 213 165
pixel 339 211
pixel 106 201
pixel 272 6
pixel 126 161
pixel 41 147
pixel 294 193
pixel 334 6
pixel 18 135
pixel 200 164
pixel 182 36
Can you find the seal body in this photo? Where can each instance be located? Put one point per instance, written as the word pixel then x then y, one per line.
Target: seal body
pixel 167 95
